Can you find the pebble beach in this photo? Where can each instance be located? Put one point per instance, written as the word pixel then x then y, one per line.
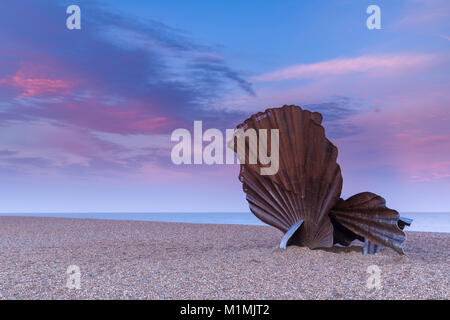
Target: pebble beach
pixel 155 260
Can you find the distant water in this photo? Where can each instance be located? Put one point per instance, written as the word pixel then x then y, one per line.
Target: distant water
pixel 423 221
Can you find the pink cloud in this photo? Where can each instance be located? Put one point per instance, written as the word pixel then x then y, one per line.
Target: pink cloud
pixel 432 140
pixel 32 85
pixel 150 124
pixel 407 139
pixel 337 67
pixel 58 147
pixel 425 14
pixel 138 116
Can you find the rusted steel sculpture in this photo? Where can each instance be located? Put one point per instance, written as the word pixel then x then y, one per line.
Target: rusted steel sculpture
pixel 303 198
pixel 366 215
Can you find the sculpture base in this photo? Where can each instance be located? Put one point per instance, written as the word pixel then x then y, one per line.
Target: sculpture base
pixel 287 236
pixel 370 247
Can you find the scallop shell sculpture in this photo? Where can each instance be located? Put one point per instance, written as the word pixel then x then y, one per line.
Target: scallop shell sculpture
pixel 302 199
pixel 366 215
pixel 308 182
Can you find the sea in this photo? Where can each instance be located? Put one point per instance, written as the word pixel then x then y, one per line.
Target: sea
pixel 422 221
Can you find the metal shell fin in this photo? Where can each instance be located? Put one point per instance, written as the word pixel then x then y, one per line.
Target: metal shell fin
pixel 289 234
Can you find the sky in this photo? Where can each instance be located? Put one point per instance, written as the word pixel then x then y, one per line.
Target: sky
pixel 86 115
